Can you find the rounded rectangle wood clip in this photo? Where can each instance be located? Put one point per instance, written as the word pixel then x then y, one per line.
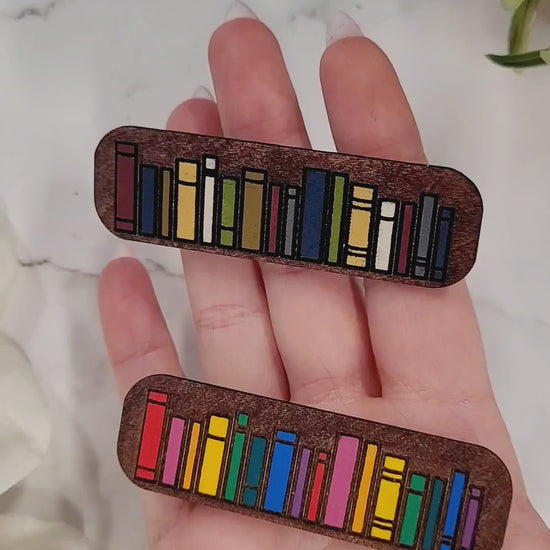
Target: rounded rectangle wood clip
pixel 348 478
pixel 398 221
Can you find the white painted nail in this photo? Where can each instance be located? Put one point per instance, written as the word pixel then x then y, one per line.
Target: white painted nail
pixel 239 10
pixel 340 25
pixel 124 250
pixel 202 92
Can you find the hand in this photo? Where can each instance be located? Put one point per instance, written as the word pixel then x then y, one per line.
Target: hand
pixel 395 354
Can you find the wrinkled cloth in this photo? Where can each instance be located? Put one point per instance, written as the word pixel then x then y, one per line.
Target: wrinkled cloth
pixel 25 426
pixel 8 261
pixel 24 419
pixel 18 532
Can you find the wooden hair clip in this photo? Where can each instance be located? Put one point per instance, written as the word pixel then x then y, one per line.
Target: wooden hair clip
pixel 344 477
pixel 402 222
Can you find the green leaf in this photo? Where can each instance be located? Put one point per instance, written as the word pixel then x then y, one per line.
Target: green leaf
pixel 519 60
pixel 511 5
pixel 520 27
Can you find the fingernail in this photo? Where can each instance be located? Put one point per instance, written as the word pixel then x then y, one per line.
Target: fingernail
pixel 202 92
pixel 340 25
pixel 239 10
pixel 124 250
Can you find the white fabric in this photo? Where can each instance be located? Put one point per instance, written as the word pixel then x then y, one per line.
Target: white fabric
pixel 25 426
pixel 18 532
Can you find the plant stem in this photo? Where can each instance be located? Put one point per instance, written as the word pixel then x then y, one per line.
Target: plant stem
pixel 527 59
pixel 520 26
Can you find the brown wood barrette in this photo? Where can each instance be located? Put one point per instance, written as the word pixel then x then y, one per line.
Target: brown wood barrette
pixel 352 479
pixel 402 222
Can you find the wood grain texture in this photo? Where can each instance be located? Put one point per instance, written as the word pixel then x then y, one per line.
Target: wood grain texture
pixel 394 181
pixel 425 455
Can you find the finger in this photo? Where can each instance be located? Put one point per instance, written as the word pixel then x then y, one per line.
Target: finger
pixel 426 341
pixel 234 336
pixel 421 337
pixel 322 341
pixel 139 345
pixel 135 332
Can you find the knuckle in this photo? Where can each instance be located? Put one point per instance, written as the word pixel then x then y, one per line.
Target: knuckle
pixel 336 392
pixel 283 128
pixel 143 352
pixel 225 316
pixel 283 270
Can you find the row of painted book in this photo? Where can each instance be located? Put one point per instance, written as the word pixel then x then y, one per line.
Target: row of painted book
pixel 355 487
pixel 327 220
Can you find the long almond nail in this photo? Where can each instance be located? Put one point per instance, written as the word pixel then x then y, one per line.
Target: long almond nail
pixel 124 250
pixel 239 10
pixel 202 92
pixel 340 25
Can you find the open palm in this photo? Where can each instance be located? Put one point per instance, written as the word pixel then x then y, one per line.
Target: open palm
pixel 400 355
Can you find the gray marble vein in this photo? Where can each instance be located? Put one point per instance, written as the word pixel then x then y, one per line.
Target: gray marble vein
pixel 40 11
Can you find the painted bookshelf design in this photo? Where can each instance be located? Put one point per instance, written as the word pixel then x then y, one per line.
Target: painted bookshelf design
pixel 349 484
pixel 328 220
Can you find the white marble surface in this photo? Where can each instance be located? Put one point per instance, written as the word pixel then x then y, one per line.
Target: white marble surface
pixel 73 69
